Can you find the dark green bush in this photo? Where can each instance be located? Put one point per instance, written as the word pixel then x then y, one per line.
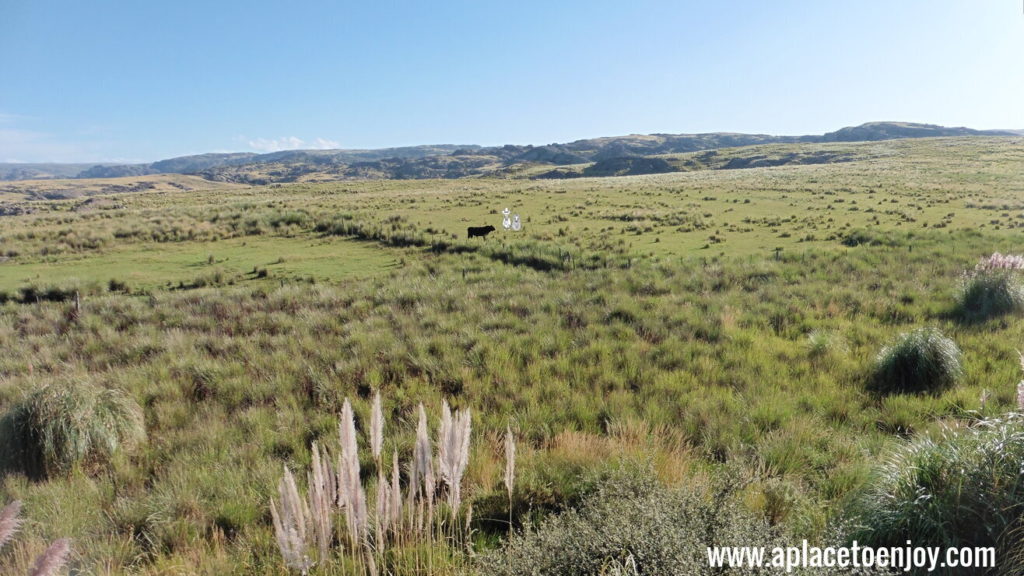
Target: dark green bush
pixel 32 294
pixel 864 237
pixel 60 426
pixel 924 360
pixel 963 490
pixel 115 285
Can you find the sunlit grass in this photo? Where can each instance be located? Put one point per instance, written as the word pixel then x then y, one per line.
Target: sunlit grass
pixel 652 342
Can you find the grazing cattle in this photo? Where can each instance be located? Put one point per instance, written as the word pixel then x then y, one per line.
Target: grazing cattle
pixel 481 231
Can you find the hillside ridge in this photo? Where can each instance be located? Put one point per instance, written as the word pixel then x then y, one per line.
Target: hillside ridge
pixel 460 161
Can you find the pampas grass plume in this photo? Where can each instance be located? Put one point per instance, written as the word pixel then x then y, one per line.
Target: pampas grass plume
pixel 53 559
pixel 376 428
pixel 510 460
pixel 290 523
pixel 453 451
pixel 9 521
pixel 422 456
pixel 395 508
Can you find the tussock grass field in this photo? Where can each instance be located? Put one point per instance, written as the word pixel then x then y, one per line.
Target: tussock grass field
pixel 57 189
pixel 709 328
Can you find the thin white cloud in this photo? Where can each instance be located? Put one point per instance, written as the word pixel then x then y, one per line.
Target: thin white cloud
pixel 31 146
pixel 325 144
pixel 291 143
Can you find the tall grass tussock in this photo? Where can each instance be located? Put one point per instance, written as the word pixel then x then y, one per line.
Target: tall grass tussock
pixel 924 360
pixel 993 288
pixel 62 425
pixel 962 489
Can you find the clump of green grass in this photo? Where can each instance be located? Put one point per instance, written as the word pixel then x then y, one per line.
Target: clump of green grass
pixel 990 293
pixel 924 360
pixel 821 343
pixel 964 489
pixel 60 426
pixel 867 237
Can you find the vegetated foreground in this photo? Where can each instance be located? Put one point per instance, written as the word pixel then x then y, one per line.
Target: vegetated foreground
pixel 719 331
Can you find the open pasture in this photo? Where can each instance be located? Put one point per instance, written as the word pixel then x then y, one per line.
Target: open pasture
pixel 710 324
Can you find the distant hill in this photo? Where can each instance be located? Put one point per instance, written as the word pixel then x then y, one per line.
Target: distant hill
pixel 616 155
pixel 9 171
pixel 873 131
pixel 206 163
pixel 64 189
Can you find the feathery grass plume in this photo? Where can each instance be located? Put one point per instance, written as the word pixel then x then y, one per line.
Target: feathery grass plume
pixel 376 428
pixel 445 444
pixel 510 469
pixel 999 261
pixel 290 524
pixel 984 397
pixel 349 446
pixel 380 519
pixel 9 521
pixel 320 500
pixel 463 419
pixel 341 496
pixel 422 456
pixel 53 559
pixel 330 478
pixel 510 460
pixel 351 494
pixel 383 498
pixel 360 515
pixel 468 528
pixel 453 451
pixel 1020 385
pixel 395 508
pixel 430 486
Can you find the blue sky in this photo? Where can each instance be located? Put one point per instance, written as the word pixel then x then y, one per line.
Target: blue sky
pixel 119 80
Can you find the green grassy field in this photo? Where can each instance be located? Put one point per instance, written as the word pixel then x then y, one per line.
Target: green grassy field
pixel 150 267
pixel 708 324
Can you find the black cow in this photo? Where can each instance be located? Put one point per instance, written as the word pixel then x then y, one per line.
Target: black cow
pixel 481 231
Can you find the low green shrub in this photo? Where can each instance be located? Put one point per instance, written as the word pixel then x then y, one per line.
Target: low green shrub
pixel 631 519
pixel 924 360
pixel 60 426
pixel 964 489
